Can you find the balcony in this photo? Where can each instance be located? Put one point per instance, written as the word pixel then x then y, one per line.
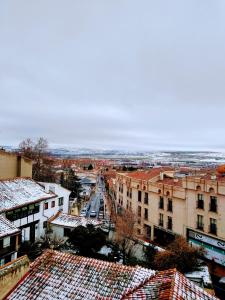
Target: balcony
pixel 213 207
pixel 200 226
pixel 161 223
pixel 169 225
pixel 145 200
pixel 170 207
pixel 213 229
pixel 200 204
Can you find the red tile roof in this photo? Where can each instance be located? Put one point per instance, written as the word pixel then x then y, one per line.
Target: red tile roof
pixel 171 181
pixel 57 275
pixel 169 285
pixel 147 175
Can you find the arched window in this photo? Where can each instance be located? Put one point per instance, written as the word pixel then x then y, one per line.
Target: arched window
pixel 211 190
pixel 198 188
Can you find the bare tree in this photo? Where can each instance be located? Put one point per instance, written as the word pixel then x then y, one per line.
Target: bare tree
pixel 125 232
pixel 179 255
pixel 38 152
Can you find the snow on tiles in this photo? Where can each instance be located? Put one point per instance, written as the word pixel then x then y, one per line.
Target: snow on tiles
pixel 56 275
pixel 73 221
pixel 20 191
pixel 76 277
pixel 6 227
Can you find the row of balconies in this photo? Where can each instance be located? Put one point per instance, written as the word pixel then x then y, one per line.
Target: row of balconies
pixel 169 225
pixel 212 228
pixel 212 206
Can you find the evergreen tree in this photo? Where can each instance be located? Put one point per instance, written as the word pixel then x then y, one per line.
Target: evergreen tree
pixel 88 240
pixel 72 183
pixel 90 167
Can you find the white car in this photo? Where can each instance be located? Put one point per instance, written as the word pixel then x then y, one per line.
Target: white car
pixel 83 214
pixel 93 214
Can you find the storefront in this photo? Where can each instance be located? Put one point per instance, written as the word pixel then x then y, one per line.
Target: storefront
pixel 214 248
pixel 162 236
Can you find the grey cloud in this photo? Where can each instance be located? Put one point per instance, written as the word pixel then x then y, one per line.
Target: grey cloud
pixel 130 74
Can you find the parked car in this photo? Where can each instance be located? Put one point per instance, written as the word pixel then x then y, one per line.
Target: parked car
pixel 82 214
pixel 101 215
pixel 93 214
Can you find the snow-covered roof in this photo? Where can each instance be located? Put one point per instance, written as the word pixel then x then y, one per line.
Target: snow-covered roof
pixel 6 227
pixel 20 191
pixel 58 275
pixel 73 221
pixel 203 274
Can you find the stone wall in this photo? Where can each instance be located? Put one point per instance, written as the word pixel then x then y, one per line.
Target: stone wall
pixel 11 273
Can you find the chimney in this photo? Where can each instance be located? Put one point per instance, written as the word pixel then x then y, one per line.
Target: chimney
pixel 161 175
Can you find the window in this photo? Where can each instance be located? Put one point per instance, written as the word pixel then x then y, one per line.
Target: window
pixel 2 262
pixel 30 209
pixel 67 232
pixel 53 204
pixel 200 197
pixel 213 204
pixel 138 231
pixel 130 193
pixel 10 215
pixel 200 224
pixel 13 256
pixel 46 205
pixel 146 214
pixel 212 226
pixel 200 201
pixel 36 208
pixel 24 212
pixel 160 219
pixel 146 198
pixel 170 223
pixel 139 211
pixel 60 201
pixel 45 224
pixel 139 196
pixel 161 202
pixel 6 242
pixel 170 205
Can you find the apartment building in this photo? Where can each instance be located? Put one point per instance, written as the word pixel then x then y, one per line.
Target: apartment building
pixel 166 203
pixel 12 165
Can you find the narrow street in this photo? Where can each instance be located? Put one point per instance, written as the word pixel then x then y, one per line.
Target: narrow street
pixel 94 203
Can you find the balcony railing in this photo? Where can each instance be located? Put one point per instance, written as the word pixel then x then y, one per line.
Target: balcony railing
pixel 161 205
pixel 213 207
pixel 170 207
pixel 170 225
pixel 213 229
pixel 200 226
pixel 200 204
pixel 160 222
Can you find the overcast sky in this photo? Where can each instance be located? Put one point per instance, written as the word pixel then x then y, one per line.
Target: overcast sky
pixel 113 73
